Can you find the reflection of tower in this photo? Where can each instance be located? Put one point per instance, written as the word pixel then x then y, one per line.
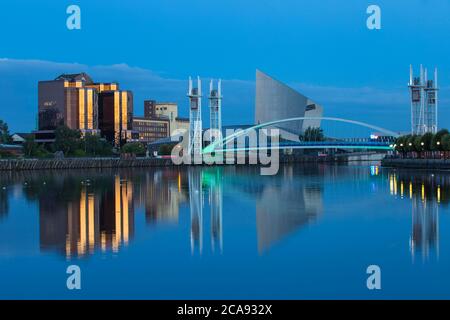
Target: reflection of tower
pixel 195 118
pixel 215 106
pixel 196 205
pixel 215 194
pixel 424 192
pixel 424 102
pixel 425 225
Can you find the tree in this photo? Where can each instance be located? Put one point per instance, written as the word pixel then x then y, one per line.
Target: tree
pixel 417 144
pixel 66 140
pixel 446 142
pixel 94 145
pixel 5 137
pixel 313 134
pixel 426 141
pixel 410 143
pixel 30 147
pixel 165 150
pixel 136 148
pixel 436 143
pixel 401 144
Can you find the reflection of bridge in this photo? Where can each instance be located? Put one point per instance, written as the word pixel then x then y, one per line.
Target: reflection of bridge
pixel 332 144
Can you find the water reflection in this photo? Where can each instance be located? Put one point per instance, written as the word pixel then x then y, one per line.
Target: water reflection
pixel 98 214
pixel 81 213
pixel 427 192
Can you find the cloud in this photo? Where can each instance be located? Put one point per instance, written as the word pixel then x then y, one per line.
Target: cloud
pixel 19 78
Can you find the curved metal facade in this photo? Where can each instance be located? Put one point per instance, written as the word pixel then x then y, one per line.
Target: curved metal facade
pixel 276 101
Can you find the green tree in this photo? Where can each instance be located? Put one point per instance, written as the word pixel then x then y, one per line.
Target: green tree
pixel 136 148
pixel 436 143
pixel 30 147
pixel 445 140
pixel 5 137
pixel 401 144
pixel 313 134
pixel 426 141
pixel 417 144
pixel 410 143
pixel 165 150
pixel 66 140
pixel 94 145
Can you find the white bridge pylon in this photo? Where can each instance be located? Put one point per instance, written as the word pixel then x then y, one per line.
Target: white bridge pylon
pixel 212 147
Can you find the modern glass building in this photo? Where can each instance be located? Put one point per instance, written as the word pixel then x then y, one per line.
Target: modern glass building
pixel 75 101
pixel 276 101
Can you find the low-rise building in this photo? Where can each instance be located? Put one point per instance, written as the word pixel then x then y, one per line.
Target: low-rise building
pixel 151 129
pixel 154 109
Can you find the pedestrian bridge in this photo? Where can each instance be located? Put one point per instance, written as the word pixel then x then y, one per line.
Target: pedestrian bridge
pixel 329 143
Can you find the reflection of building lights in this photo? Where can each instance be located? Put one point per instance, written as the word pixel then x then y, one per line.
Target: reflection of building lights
pixel 82 242
pixel 410 190
pixel 118 218
pixel 103 241
pixel 91 223
pixel 423 191
pixel 391 185
pixel 439 194
pixel 401 189
pixel 395 185
pixel 373 170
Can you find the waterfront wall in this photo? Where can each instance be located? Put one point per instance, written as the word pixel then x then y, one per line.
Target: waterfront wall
pixel 442 164
pixel 100 163
pixel 80 163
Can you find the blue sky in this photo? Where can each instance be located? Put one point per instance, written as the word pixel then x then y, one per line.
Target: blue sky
pixel 321 48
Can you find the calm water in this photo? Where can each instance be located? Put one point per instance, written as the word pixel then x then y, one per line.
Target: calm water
pixel 309 232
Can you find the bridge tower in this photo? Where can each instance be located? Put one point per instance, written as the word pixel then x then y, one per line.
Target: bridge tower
pixel 195 120
pixel 424 102
pixel 215 108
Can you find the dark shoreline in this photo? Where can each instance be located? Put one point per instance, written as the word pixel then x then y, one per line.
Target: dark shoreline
pixel 103 163
pixel 80 163
pixel 430 164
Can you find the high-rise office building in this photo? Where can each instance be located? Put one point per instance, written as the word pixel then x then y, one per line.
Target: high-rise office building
pixel 68 101
pixel 75 101
pixel 116 116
